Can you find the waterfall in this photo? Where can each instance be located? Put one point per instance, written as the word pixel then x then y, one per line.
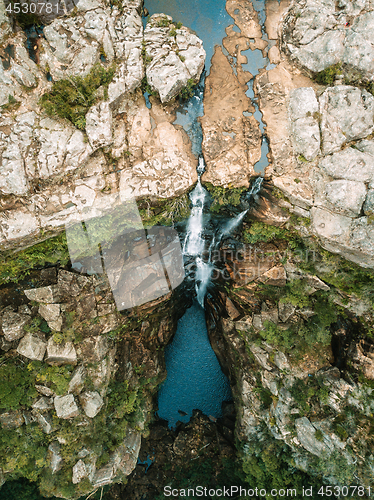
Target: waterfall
pixel 194 243
pixel 255 187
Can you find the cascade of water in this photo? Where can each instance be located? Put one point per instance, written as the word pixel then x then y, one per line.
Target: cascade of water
pixel 255 187
pixel 202 278
pixel 194 243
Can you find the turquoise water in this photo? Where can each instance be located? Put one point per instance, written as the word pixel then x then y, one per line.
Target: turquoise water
pixel 208 19
pixel 195 379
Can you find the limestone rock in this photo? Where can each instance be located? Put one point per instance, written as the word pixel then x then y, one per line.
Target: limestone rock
pixel 347 115
pixel 91 403
pixel 54 457
pixel 47 294
pixel 99 125
pixel 369 203
pixel 12 324
pixel 304 116
pixel 174 59
pixel 32 347
pixel 11 419
pixel 316 35
pixel 66 406
pixel 79 472
pixel 306 435
pixel 52 314
pixel 76 383
pixel 324 51
pixel 127 454
pixel 60 354
pixel 231 137
pixel 45 421
pixel 286 310
pixel 43 404
pixel 94 349
pixel 347 197
pixel 349 164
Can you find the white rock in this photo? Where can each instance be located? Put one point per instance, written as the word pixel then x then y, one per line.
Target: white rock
pixel 66 406
pixel 46 294
pixel 32 347
pixel 349 164
pixel 79 472
pixel 76 383
pixel 304 117
pixel 347 115
pixel 52 314
pixel 99 125
pixel 12 324
pixel 347 197
pixel 61 354
pixel 91 403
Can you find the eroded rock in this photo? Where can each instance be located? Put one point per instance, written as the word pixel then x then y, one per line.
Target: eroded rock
pixel 32 347
pixel 66 406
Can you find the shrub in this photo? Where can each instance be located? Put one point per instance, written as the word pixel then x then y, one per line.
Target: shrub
pixel 16 388
pixel 327 76
pixel 187 91
pixel 224 196
pixel 15 266
pixel 71 98
pixel 262 232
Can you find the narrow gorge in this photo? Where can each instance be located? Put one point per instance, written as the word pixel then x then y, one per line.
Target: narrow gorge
pixel 186 249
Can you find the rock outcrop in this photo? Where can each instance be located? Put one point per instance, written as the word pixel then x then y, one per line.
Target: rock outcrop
pixel 122 148
pixel 79 382
pixel 319 34
pixel 176 56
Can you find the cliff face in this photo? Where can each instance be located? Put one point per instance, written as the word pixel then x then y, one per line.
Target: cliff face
pixel 78 380
pixel 110 144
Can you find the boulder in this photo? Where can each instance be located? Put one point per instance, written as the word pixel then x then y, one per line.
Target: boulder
pixel 369 203
pixel 347 114
pixel 12 324
pixel 43 404
pixel 11 419
pixel 79 472
pixel 61 354
pixel 285 311
pixel 46 294
pixel 174 59
pixel 76 383
pixel 52 314
pixel 54 457
pixel 349 164
pixel 346 197
pixel 91 403
pixel 304 117
pixel 32 347
pixel 66 406
pixel 45 421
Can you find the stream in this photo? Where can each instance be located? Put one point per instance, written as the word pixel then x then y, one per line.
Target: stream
pixel 194 377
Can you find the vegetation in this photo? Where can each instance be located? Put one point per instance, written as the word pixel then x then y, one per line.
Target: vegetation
pixel 16 266
pixel 187 91
pixel 11 105
pixel 268 464
pixel 223 197
pixel 17 387
pixel 350 77
pixel 259 232
pixel 71 98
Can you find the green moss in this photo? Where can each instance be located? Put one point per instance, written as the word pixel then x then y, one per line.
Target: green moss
pixel 71 98
pixel 188 91
pixel 223 196
pixel 11 105
pixel 17 387
pixel 318 435
pixel 260 232
pixel 15 266
pixel 163 23
pixel 327 76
